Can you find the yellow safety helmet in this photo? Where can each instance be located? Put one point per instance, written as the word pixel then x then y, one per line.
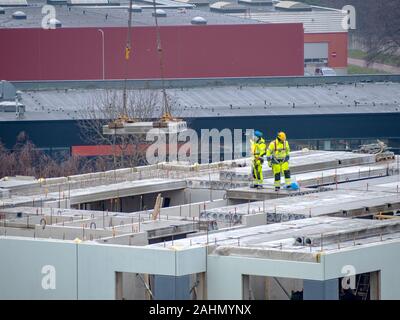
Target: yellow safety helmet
pixel 282 136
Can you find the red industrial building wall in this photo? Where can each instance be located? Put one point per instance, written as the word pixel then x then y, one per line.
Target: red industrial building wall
pixel 107 150
pixel 189 51
pixel 337 44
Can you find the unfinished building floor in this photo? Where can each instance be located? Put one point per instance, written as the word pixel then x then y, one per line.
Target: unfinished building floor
pixel 212 237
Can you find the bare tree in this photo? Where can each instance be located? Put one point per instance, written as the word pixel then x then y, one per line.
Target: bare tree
pixel 142 105
pixel 7 161
pixel 382 31
pixel 378 24
pixel 27 160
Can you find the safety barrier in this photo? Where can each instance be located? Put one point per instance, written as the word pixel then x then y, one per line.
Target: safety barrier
pixel 202 82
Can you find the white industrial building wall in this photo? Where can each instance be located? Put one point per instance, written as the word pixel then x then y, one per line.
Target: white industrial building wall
pixel 22 263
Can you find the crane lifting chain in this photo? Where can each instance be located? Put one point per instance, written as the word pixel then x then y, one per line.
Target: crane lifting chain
pixel 166 115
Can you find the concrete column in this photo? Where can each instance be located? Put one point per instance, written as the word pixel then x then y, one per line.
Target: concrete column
pixel 223 282
pixel 390 283
pixel 321 290
pixel 374 286
pixel 118 286
pixel 246 287
pixel 202 287
pixel 146 280
pixel 267 285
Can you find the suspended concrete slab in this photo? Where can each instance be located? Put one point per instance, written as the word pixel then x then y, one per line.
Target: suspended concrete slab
pixel 142 128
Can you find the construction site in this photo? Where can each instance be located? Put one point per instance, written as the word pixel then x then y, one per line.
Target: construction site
pixel 179 231
pixel 184 223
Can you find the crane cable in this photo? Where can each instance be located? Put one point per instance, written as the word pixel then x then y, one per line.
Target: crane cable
pixel 166 112
pixel 127 56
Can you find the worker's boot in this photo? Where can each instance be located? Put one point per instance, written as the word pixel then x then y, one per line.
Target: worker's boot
pixel 260 186
pixel 277 189
pixel 254 186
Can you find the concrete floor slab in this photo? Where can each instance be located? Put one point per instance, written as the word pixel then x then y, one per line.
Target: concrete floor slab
pixel 280 241
pixel 306 161
pixel 344 203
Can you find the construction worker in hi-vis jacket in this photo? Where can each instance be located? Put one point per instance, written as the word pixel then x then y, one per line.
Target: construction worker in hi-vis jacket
pixel 278 158
pixel 258 150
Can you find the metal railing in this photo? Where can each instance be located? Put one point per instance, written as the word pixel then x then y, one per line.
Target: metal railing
pixel 202 82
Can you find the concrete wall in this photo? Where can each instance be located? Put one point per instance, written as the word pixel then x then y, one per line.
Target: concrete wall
pixel 252 220
pixel 337 46
pixel 17 232
pixel 98 265
pixel 134 203
pixel 194 209
pixel 225 273
pixel 190 210
pixel 82 271
pixel 199 195
pixel 383 257
pixel 88 271
pixel 70 233
pixel 21 268
pixel 137 239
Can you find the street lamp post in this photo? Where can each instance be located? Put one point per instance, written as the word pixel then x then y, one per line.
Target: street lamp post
pixel 102 38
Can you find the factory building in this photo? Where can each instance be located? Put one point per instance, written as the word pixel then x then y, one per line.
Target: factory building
pixel 362 109
pixel 89 43
pixel 209 40
pixel 325 38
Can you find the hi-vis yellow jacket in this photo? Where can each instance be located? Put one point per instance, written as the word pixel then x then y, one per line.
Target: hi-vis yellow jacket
pixel 278 150
pixel 258 148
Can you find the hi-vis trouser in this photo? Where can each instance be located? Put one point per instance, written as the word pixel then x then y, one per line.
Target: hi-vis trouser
pixel 278 156
pixel 277 169
pixel 257 171
pixel 258 150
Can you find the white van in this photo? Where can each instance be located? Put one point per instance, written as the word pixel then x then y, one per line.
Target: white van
pixel 324 71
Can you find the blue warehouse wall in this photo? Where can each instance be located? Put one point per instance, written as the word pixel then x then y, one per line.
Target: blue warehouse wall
pixel 66 133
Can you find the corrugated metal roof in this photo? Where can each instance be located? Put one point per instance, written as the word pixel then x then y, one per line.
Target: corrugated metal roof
pixel 314 21
pixel 220 4
pixel 257 2
pixel 115 17
pixel 196 2
pixel 292 5
pixel 226 6
pixel 230 101
pixel 88 2
pixel 13 3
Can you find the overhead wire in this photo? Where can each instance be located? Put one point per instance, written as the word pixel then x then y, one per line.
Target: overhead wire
pixel 128 49
pixel 166 107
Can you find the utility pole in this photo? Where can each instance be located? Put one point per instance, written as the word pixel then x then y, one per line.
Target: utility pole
pixel 102 46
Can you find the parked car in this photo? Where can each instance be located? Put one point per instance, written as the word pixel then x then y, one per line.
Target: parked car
pixel 324 71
